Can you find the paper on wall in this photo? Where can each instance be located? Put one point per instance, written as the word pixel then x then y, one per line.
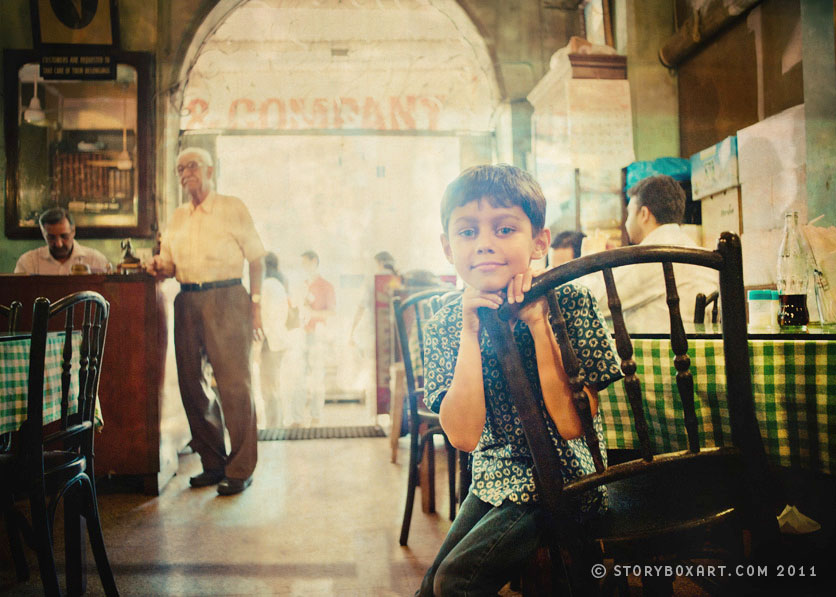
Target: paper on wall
pixel 600 123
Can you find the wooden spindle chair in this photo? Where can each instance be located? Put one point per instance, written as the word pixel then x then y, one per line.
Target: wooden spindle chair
pixel 662 507
pixel 52 462
pixel 410 314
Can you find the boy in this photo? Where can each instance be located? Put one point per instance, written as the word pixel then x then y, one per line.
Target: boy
pixel 493 219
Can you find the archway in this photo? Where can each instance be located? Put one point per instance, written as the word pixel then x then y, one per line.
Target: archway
pixel 340 123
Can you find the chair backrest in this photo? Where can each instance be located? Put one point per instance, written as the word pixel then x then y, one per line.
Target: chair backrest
pixel 83 318
pixel 746 439
pixel 411 313
pixel 12 314
pixel 701 303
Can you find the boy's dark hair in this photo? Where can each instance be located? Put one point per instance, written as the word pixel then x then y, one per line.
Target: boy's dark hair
pixel 54 215
pixel 503 185
pixel 311 255
pixel 662 195
pixel 569 238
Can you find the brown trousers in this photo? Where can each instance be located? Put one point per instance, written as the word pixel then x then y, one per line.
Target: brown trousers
pixel 215 325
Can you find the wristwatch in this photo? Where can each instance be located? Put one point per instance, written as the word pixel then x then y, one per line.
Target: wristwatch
pixel 255 298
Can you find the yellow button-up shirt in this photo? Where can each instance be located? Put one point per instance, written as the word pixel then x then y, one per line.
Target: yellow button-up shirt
pixel 211 241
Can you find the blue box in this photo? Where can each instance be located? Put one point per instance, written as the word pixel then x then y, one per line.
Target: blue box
pixel 714 169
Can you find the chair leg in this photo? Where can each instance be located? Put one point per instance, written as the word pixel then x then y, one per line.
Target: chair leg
pixel 74 546
pixel 430 451
pixel 451 476
pixel 94 530
pixel 15 544
pixel 42 530
pixel 410 490
pixel 464 475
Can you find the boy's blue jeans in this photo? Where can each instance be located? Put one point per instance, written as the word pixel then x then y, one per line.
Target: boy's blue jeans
pixel 485 547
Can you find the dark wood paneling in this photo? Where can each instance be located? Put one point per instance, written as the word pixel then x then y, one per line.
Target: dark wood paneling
pixel 719 86
pixel 718 90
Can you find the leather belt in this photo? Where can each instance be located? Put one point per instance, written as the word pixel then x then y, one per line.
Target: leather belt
pixel 189 287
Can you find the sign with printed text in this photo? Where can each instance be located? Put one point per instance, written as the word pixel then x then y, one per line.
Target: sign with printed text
pixel 78 67
pixel 300 113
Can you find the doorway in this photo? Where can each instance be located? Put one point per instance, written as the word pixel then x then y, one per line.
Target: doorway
pixel 339 124
pixel 347 198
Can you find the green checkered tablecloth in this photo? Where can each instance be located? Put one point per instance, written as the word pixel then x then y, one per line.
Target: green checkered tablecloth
pixel 14 380
pixel 794 385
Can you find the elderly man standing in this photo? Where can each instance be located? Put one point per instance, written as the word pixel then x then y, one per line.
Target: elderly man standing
pixel 204 247
pixel 61 250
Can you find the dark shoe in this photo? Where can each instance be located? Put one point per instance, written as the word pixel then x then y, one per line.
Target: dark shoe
pixel 232 486
pixel 207 478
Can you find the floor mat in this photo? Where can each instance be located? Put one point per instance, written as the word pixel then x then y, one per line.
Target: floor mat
pixel 269 435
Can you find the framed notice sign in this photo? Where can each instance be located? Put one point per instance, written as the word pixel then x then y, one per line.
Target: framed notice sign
pixel 61 23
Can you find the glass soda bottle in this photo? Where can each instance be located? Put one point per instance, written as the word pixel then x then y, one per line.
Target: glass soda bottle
pixel 793 275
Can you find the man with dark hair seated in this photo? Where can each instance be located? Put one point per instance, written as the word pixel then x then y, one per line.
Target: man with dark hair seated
pixel 654 211
pixel 62 251
pixel 565 246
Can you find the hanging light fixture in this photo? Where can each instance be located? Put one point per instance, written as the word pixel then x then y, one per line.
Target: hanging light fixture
pixel 34 114
pixel 123 162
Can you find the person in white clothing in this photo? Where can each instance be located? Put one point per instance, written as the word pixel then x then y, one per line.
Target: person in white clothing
pixel 274 308
pixel 61 251
pixel 654 211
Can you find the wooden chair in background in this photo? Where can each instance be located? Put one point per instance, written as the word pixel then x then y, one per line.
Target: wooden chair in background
pixel 54 462
pixel 12 315
pixel 701 304
pixel 410 315
pixel 662 507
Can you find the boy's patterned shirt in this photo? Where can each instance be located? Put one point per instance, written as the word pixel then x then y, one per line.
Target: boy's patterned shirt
pixel 501 462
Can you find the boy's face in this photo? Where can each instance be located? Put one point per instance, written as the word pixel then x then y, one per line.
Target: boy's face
pixel 489 245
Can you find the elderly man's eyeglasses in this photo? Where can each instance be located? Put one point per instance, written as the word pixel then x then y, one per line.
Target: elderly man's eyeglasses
pixel 191 166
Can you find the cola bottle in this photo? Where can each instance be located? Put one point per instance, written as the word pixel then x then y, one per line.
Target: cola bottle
pixel 793 275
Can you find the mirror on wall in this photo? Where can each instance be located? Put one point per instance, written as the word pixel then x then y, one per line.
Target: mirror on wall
pixel 85 145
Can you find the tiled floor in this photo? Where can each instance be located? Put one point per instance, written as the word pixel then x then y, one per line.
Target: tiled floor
pixel 321 519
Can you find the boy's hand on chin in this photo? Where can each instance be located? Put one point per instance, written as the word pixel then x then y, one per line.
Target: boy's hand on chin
pixel 472 300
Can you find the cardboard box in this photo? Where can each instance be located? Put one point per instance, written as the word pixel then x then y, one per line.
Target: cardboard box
pixel 772 145
pixel 765 200
pixel 760 257
pixel 720 213
pixel 714 169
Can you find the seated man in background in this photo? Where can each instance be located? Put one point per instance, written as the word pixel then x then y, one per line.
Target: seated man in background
pixel 654 211
pixel 61 250
pixel 565 247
